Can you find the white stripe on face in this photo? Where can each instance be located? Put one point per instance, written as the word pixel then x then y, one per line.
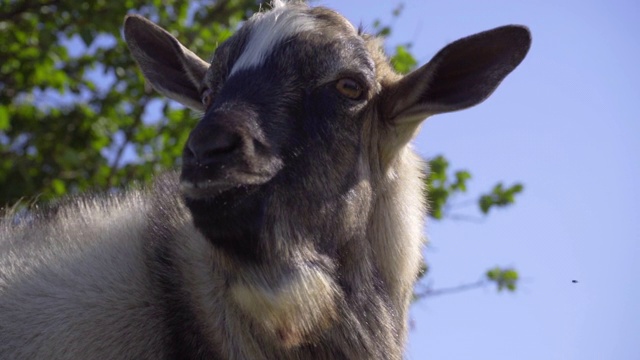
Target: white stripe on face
pixel 269 30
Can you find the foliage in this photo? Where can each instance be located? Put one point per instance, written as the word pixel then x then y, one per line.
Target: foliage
pixel 76 115
pixel 499 197
pixel 74 109
pixel 504 278
pixel 442 187
pixel 402 60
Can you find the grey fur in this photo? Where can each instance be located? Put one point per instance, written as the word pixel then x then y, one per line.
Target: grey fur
pixel 295 229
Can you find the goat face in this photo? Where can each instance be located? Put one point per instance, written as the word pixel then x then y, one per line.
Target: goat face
pixel 286 92
pixel 284 101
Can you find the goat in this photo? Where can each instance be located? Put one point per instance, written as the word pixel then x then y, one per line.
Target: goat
pixel 295 228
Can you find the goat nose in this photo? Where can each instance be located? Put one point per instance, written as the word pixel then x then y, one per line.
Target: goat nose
pixel 212 145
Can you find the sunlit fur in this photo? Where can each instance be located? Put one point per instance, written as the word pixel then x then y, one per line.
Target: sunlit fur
pixel 321 251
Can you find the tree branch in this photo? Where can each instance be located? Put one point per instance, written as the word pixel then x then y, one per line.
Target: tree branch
pixel 461 217
pixel 454 289
pixel 127 139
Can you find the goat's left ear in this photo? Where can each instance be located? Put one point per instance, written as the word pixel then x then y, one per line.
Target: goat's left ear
pixel 461 75
pixel 172 69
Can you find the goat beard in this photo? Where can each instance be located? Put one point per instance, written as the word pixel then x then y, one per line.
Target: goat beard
pixel 231 220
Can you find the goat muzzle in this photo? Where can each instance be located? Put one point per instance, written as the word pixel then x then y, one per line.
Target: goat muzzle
pixel 226 150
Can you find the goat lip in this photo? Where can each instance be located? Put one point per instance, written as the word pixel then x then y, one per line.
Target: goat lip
pixel 200 182
pixel 204 189
pixel 196 188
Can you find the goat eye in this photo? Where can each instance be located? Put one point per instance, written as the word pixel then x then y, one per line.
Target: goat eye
pixel 207 98
pixel 349 88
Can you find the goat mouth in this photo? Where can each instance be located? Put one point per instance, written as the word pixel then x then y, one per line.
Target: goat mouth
pixel 212 188
pixel 201 182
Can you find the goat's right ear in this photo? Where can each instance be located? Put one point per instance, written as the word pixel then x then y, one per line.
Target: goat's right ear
pixel 172 69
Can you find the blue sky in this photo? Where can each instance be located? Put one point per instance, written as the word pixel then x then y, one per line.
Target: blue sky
pixel 566 123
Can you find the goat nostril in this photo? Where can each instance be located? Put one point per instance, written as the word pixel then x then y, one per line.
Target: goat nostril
pixel 223 144
pixel 207 148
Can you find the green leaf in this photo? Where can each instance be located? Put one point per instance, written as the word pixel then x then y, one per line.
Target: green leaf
pixel 58 186
pixel 499 197
pixel 503 278
pixel 461 181
pixel 4 118
pixel 402 61
pixel 398 10
pixel 384 31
